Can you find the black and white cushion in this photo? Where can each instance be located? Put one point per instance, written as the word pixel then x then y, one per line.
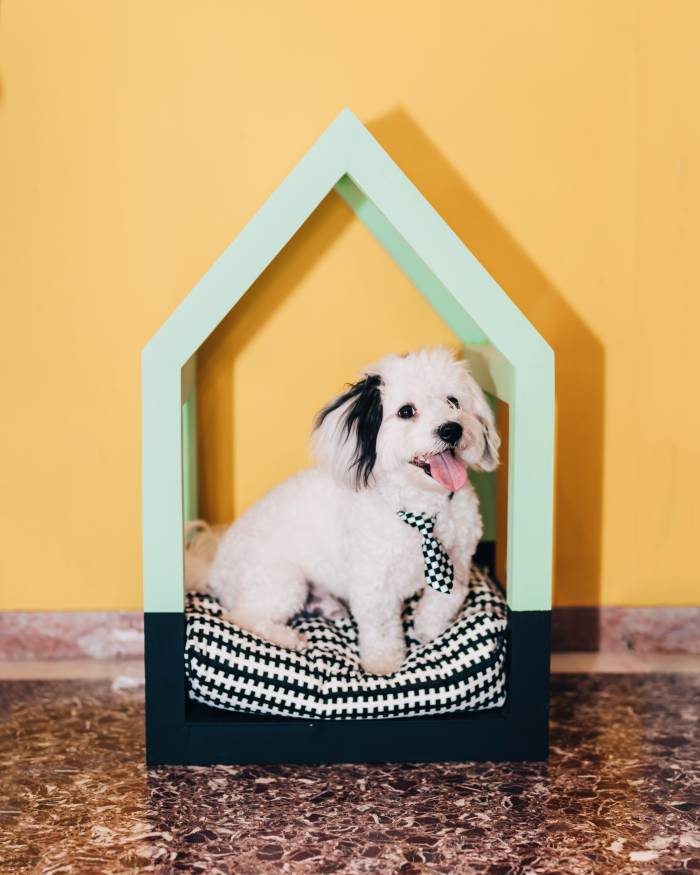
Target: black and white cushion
pixel 461 670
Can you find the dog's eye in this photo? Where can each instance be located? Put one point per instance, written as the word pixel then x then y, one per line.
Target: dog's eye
pixel 408 411
pixel 452 400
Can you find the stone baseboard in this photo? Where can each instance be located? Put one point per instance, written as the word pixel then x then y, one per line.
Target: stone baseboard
pixel 119 635
pixel 614 630
pixel 71 635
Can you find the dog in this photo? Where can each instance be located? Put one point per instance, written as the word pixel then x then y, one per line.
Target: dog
pixel 398 441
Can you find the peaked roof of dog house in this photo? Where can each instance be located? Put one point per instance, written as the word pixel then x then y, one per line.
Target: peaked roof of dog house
pixel 347 149
pixel 513 360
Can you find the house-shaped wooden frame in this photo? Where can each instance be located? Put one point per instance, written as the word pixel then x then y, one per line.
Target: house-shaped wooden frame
pixel 510 360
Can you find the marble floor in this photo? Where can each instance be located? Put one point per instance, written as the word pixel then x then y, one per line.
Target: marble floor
pixel 620 793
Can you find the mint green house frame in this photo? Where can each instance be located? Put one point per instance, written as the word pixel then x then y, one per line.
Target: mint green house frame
pixel 508 357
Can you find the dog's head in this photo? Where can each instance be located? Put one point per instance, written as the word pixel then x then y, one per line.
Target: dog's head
pixel 419 419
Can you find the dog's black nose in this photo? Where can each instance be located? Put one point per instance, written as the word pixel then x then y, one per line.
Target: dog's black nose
pixel 450 432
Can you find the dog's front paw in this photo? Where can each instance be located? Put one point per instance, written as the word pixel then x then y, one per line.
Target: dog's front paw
pixel 381 666
pixel 427 627
pixel 384 662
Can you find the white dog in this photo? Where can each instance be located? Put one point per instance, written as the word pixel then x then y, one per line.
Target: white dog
pixel 399 440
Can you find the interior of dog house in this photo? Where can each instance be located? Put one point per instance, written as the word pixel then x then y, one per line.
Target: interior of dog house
pixel 218 694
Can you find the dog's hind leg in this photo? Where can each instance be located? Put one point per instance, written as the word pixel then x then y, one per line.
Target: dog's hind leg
pixel 263 600
pixel 276 633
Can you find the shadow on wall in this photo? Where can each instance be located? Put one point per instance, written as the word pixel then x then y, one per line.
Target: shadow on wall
pixel 580 360
pixel 216 360
pixel 580 357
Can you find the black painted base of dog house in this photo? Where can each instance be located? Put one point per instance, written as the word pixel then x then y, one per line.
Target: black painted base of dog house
pixel 182 732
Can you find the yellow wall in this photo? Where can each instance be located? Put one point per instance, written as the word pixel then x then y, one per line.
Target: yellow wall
pixel 559 139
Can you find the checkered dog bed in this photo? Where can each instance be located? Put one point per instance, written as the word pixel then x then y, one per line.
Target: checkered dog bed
pixel 461 670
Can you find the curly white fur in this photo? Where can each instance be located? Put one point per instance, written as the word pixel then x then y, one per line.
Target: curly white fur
pixel 336 525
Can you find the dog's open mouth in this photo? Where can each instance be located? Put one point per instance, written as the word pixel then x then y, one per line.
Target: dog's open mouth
pixel 444 467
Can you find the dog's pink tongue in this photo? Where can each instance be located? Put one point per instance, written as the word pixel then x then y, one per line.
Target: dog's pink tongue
pixel 448 471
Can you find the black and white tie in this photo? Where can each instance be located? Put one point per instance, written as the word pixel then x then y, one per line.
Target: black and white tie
pixel 439 572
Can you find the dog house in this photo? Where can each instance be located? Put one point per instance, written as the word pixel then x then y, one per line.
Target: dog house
pixel 508 358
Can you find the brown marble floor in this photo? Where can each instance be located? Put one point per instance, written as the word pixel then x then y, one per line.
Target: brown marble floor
pixel 620 793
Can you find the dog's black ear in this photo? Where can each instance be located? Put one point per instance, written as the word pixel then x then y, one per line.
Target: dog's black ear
pixel 363 419
pixel 346 431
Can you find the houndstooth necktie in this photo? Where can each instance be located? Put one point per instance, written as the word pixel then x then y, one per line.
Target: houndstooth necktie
pixel 439 572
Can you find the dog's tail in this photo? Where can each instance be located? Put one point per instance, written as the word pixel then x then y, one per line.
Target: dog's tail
pixel 201 544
